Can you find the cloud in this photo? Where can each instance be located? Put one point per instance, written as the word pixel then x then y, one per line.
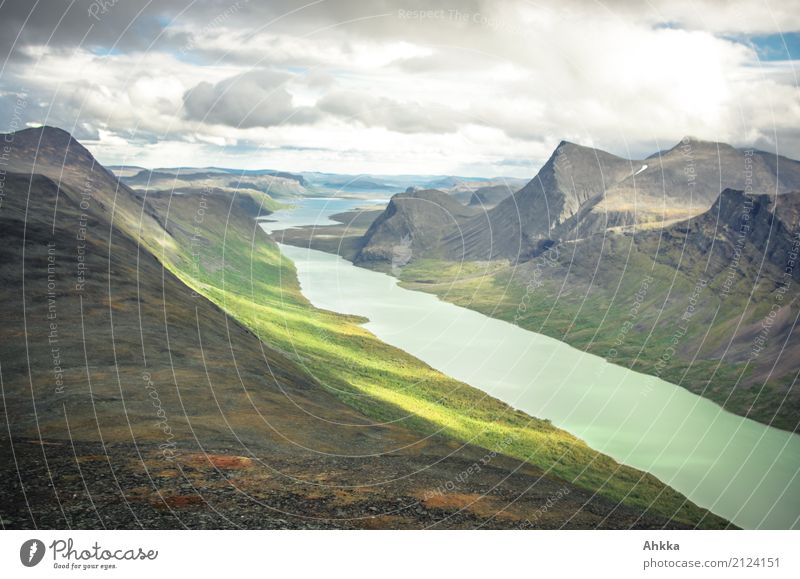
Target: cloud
pixel 473 85
pixel 399 116
pixel 253 99
pixel 64 25
pixel 719 16
pixel 261 98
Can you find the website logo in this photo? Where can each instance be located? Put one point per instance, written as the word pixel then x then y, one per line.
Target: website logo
pixel 31 552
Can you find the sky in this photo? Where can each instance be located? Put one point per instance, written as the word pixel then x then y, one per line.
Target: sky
pixel 472 87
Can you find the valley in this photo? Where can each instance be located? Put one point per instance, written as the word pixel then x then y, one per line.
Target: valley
pixel 324 266
pixel 576 274
pixel 201 389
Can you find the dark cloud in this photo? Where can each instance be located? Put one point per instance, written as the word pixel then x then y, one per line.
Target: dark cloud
pixel 123 24
pixel 129 25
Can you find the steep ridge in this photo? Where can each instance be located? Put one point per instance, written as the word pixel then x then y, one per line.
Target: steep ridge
pixel 573 177
pixel 135 398
pixel 83 181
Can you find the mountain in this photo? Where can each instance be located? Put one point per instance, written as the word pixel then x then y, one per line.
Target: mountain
pixel 488 197
pixel 82 182
pixel 745 247
pixel 107 354
pixel 161 369
pixel 412 223
pixel 686 180
pixel 263 182
pixel 568 183
pixel 581 191
pixel 464 189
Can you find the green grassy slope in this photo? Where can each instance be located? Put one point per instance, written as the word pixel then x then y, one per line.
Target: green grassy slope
pixel 234 264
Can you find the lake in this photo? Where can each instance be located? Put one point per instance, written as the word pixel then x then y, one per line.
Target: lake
pixel 738 468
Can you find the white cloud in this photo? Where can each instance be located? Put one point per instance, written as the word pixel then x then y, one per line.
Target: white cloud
pixel 256 98
pixel 398 116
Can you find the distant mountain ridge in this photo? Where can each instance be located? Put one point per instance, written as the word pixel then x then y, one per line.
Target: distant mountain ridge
pixel 279 183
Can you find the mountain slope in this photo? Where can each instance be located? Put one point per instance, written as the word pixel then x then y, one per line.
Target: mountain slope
pixel 686 180
pixel 413 222
pixel 488 197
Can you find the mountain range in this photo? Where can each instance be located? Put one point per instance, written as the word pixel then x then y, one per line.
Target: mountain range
pixel 284 184
pixel 581 191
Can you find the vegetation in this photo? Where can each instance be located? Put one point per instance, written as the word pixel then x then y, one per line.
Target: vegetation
pixel 607 311
pixel 240 269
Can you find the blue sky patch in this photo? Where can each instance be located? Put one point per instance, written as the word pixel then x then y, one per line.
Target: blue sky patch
pixel 772 47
